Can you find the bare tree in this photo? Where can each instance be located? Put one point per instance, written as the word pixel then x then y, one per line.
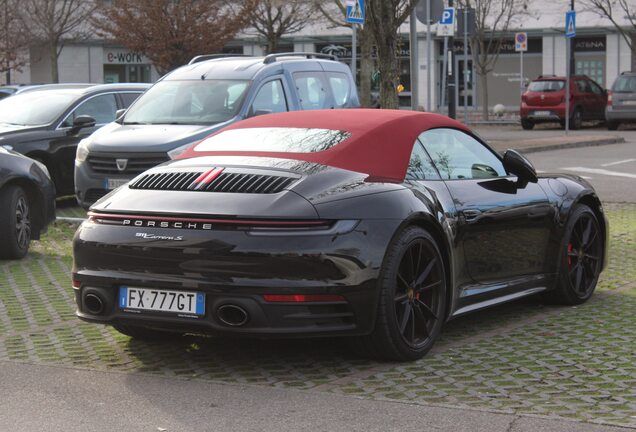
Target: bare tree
pixel 13 39
pixel 171 32
pixel 365 38
pixel 619 11
pixel 272 19
pixel 384 17
pixel 492 21
pixel 54 22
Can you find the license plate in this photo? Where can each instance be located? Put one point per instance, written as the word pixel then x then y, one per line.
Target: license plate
pixel 542 113
pixel 111 184
pixel 156 300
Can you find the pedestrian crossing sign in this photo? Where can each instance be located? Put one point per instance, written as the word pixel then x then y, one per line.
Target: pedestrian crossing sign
pixel 570 24
pixel 355 11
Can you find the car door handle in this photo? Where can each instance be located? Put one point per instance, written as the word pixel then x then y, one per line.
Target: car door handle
pixel 471 214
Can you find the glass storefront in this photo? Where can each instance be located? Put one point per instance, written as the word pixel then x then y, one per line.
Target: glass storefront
pixel 126 73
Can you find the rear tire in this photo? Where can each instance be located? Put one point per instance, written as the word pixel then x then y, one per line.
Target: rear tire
pixel 15 222
pixel 576 121
pixel 145 333
pixel 612 125
pixel 412 299
pixel 527 124
pixel 581 258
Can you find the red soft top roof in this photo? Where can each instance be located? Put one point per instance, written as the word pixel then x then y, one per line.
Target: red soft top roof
pixel 380 144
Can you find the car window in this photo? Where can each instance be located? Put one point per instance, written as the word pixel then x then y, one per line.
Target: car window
pixel 582 86
pixel 546 86
pixel 129 98
pixel 208 101
pixel 102 108
pixel 625 84
pixel 340 87
pixel 270 98
pixel 311 90
pixel 420 165
pixel 595 88
pixel 457 155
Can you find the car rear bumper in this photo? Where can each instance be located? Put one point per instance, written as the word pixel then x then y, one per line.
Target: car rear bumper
pixel 543 114
pixel 623 115
pixel 236 268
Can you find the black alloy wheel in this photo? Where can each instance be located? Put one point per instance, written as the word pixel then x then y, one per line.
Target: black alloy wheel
pixel 582 258
pixel 412 298
pixel 15 222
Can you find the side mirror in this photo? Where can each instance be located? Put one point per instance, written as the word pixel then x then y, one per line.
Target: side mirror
pixel 119 113
pixel 81 122
pixel 516 164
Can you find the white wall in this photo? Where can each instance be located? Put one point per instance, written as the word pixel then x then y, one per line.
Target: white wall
pixel 422 86
pixel 618 58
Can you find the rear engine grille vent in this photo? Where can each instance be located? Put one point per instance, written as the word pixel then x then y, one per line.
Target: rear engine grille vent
pixel 224 182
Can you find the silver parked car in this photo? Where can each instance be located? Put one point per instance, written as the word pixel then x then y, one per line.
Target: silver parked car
pixel 621 101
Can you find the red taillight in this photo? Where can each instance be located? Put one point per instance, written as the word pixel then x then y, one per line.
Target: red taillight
pixel 302 298
pixel 76 283
pixel 609 98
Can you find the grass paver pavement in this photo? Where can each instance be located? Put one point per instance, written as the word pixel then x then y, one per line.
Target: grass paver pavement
pixel 524 357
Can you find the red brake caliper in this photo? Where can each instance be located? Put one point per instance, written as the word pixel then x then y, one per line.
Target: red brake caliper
pixel 569 257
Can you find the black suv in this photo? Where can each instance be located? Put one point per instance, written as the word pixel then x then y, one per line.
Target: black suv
pixel 200 98
pixel 46 122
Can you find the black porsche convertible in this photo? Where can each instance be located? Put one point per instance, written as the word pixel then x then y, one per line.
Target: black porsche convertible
pixel 376 224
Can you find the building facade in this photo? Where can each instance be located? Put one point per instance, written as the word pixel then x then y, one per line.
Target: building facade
pixel 600 52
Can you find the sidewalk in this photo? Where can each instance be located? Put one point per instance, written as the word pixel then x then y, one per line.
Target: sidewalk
pixel 547 138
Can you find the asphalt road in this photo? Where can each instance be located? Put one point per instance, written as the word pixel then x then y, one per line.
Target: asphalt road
pixel 611 169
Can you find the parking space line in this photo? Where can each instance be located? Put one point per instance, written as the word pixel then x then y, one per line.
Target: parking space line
pixel 618 162
pixel 600 171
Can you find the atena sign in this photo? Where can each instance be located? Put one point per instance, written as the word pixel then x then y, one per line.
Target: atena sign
pixel 119 56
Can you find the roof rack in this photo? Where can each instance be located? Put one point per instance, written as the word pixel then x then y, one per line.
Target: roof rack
pixel 204 57
pixel 627 72
pixel 271 58
pixel 547 76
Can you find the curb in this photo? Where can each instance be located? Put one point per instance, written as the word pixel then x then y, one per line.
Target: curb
pixel 563 145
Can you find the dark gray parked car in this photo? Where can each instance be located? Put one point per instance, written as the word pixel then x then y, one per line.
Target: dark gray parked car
pixel 621 101
pixel 198 99
pixel 46 122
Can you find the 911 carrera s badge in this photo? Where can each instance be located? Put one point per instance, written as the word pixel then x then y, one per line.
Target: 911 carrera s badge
pixel 149 236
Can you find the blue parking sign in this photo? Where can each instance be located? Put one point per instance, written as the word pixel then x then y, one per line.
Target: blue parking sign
pixel 355 12
pixel 448 16
pixel 570 24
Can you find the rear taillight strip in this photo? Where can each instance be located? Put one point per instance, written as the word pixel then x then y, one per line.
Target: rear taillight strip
pixel 242 222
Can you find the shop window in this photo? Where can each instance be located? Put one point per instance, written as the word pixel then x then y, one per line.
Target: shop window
pixel 591 68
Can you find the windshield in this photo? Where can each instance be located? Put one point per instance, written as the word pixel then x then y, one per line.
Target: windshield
pixel 625 84
pixel 189 102
pixel 34 108
pixel 274 139
pixel 546 86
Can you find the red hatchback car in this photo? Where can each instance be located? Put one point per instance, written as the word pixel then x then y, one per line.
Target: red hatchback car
pixel 544 101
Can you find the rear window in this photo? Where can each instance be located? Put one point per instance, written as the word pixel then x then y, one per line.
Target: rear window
pixel 546 86
pixel 286 140
pixel 625 84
